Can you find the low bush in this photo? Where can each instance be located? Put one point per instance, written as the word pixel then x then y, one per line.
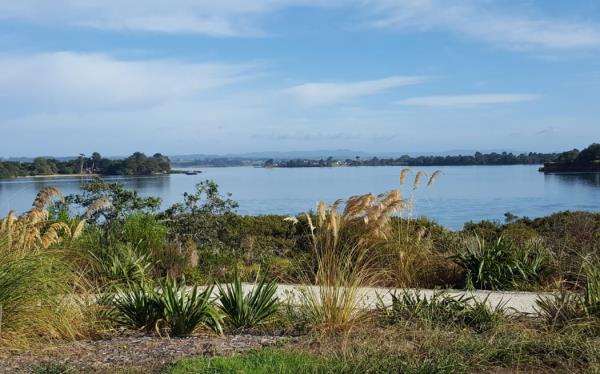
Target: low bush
pixel 442 309
pixel 575 307
pixel 501 265
pixel 119 263
pixel 415 256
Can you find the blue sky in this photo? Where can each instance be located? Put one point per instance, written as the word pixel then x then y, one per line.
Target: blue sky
pixel 232 76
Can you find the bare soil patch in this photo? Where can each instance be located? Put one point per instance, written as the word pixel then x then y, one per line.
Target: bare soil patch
pixel 132 352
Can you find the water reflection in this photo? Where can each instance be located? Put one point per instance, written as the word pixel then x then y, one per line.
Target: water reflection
pixel 589 179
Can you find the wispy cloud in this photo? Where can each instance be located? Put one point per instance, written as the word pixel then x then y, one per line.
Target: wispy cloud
pixel 458 101
pixel 329 93
pixel 224 18
pixel 484 20
pixel 79 81
pixel 480 20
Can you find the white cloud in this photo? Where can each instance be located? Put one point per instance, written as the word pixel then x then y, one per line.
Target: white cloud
pixel 454 101
pixel 330 93
pixel 214 18
pixel 482 20
pixel 75 81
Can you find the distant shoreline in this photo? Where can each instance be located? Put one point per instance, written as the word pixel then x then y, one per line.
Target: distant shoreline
pixel 80 175
pixel 60 175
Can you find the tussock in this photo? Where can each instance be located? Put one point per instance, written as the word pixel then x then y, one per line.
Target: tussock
pixel 343 256
pixel 35 276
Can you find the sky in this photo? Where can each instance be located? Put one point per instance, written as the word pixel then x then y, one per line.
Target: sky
pixel 234 76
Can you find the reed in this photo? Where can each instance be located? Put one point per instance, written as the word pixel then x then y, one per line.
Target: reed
pixel 418 177
pixel 403 174
pixel 433 177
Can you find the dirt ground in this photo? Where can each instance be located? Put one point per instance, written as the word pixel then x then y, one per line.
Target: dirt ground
pixel 132 352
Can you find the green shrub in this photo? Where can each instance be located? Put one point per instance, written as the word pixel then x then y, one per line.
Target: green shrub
pixel 120 263
pixel 252 309
pixel 205 216
pixel 501 264
pixel 442 309
pixel 489 230
pixel 562 309
pixel 591 295
pixel 133 248
pixel 569 307
pixel 175 259
pixel 143 231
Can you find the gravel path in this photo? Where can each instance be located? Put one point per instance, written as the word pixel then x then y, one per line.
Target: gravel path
pixel 138 352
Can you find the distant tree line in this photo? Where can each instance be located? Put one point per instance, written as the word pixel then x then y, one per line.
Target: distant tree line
pixel 478 158
pixel 136 164
pixel 213 162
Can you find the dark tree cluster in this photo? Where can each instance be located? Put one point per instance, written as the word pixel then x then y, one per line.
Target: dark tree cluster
pixel 586 160
pixel 136 164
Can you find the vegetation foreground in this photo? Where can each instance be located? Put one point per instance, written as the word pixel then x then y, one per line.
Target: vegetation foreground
pixel 107 268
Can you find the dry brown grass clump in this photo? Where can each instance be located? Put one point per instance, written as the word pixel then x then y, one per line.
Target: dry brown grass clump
pixel 36 277
pixel 33 229
pixel 343 257
pixel 409 255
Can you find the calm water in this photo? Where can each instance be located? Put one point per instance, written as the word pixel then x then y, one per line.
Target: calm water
pixel 463 193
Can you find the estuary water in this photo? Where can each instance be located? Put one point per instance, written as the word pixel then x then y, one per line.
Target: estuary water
pixel 461 194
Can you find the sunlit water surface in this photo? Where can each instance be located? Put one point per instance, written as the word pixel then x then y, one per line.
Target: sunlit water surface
pixel 461 194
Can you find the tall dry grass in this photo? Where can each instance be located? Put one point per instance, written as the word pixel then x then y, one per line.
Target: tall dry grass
pixel 344 260
pixel 410 255
pixel 35 277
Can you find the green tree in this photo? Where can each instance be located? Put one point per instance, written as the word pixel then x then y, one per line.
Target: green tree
pixel 589 155
pixel 42 166
pixel 123 201
pixel 96 159
pixel 205 216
